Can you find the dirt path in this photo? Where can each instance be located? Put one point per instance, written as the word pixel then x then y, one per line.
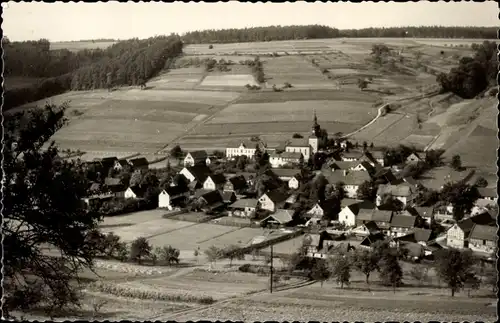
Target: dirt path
pixel 379 113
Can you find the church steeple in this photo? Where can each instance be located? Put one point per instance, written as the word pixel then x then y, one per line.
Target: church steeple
pixel 315 128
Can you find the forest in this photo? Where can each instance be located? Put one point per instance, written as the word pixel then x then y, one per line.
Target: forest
pixel 317 32
pixel 473 75
pixel 129 62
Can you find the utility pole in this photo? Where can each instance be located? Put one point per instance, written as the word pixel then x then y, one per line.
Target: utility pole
pixel 271 276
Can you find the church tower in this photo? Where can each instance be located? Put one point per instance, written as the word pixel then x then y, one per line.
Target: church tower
pixel 313 138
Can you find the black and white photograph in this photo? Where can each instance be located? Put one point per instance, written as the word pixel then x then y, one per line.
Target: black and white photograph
pixel 238 161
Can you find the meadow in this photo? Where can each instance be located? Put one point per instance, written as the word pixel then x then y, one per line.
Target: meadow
pixel 80 45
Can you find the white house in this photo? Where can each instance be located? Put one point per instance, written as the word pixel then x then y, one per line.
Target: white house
pixel 120 164
pixel 483 238
pixel 456 236
pixel 352 180
pixel 285 158
pixel 244 148
pixel 487 196
pixel 196 157
pixel 299 146
pixel 294 182
pixel 363 166
pixel 167 196
pixel 243 207
pixel 214 182
pixel 197 172
pixel 350 210
pixel 413 158
pixel 135 192
pixel 272 201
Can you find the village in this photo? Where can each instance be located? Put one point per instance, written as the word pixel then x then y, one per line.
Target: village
pixel 337 192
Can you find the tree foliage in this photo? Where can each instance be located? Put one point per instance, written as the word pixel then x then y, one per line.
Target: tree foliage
pixel 140 249
pixel 473 74
pixel 367 191
pixel 455 267
pixel 340 267
pixel 320 271
pixel 167 254
pixel 461 196
pixel 390 271
pixel 365 261
pixel 42 209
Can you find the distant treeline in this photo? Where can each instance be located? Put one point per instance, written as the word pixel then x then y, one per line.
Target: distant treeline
pixel 317 32
pixel 129 62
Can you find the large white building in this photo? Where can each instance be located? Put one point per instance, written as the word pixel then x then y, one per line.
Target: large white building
pixel 244 148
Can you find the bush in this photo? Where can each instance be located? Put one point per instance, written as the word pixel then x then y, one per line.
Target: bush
pixel 168 254
pixel 139 249
pixel 210 46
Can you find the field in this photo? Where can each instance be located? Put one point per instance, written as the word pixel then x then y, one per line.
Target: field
pixel 80 45
pixel 236 80
pixel 14 82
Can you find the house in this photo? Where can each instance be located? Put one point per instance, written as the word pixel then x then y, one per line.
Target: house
pixel 386 175
pixel 195 158
pixel 413 158
pixel 374 157
pixel 135 192
pixel 322 209
pixel 294 182
pixel 457 236
pixel 236 184
pixel 96 200
pixel 402 224
pixel 383 220
pixel 352 156
pixel 402 192
pixel 483 238
pixel 363 166
pixel 487 196
pixel 244 148
pixel 120 164
pixel 197 172
pixel 113 186
pixel 371 239
pixel 352 180
pixel 285 158
pixel 228 197
pixel 140 163
pixel 211 201
pixel 340 165
pixel 214 182
pixel 299 146
pixel 350 209
pixel 172 196
pixel 317 242
pixel 273 200
pixel 107 163
pixel 290 201
pixel 249 177
pixel 426 213
pixel 285 174
pixel 280 217
pixel 416 235
pixel 243 207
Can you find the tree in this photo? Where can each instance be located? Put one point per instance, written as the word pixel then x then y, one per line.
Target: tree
pixel 362 84
pixel 420 273
pixel 391 203
pixel 135 178
pixel 320 271
pixel 365 145
pixel 42 206
pixel 461 196
pixel 139 249
pixel 367 191
pixel 213 253
pixel 481 182
pixel 297 136
pixel 233 251
pixel 454 267
pixel 340 191
pixel 176 152
pixel 366 262
pixel 456 162
pixel 390 271
pixel 340 267
pixel 210 46
pixel 168 254
pixel 472 282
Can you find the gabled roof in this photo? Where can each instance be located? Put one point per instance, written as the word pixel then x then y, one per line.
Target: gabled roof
pixel 217 178
pixel 281 216
pixel 364 215
pixel 285 172
pixel 422 235
pixel 395 190
pixel 122 162
pixel 372 227
pixel 366 165
pixel 108 162
pixel 371 239
pixel 292 199
pixel 228 196
pixel 212 198
pixel 352 178
pixel 343 164
pixel 248 144
pixel 352 154
pixel 377 154
pixel 200 172
pixel 277 196
pixel 298 142
pixel 175 190
pixel 139 162
pixel 138 190
pixel 381 216
pixel 483 232
pixel 198 154
pixel 487 192
pixel 348 202
pixel 238 182
pixel 111 181
pixel 481 219
pixel 243 203
pixel 415 154
pixel 423 211
pixel 403 221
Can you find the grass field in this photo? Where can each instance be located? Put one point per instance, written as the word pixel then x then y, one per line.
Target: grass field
pixel 17 82
pixel 236 80
pixel 379 126
pixel 327 111
pixel 80 45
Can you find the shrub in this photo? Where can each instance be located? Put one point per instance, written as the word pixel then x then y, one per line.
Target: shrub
pixel 168 254
pixel 139 249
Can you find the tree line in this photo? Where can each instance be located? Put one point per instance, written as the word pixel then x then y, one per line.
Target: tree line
pixel 130 62
pixel 474 74
pixel 272 33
